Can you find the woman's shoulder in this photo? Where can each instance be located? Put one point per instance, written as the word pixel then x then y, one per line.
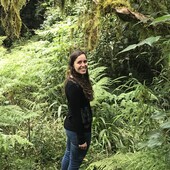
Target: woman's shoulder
pixel 72 88
pixel 72 84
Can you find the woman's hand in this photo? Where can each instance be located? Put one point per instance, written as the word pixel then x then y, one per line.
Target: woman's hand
pixel 83 146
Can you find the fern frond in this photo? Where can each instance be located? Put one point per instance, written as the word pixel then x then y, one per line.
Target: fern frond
pixel 13 115
pixel 6 141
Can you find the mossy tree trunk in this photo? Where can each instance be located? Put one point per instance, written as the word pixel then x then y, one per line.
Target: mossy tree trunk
pixel 10 17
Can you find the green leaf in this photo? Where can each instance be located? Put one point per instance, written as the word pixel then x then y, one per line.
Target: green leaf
pixel 154 140
pixel 130 47
pixel 157 115
pixel 148 41
pixel 165 125
pixel 161 19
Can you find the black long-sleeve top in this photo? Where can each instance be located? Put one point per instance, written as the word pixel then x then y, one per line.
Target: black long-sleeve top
pixel 79 117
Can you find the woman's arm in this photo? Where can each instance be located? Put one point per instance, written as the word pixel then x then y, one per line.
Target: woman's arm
pixel 74 96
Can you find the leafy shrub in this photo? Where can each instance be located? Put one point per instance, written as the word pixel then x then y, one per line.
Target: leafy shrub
pixel 132 161
pixel 48 138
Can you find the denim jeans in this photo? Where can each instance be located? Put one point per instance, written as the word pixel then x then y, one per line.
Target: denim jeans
pixel 74 156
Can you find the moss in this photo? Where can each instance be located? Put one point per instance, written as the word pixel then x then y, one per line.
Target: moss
pixel 10 17
pixel 117 3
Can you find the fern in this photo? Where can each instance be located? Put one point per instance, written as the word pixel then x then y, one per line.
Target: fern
pixel 130 161
pixel 100 81
pixel 13 115
pixel 8 141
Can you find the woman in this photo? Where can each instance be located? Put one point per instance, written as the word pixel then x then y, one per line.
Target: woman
pixel 77 124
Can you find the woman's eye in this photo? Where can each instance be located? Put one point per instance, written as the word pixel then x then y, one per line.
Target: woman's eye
pixel 80 62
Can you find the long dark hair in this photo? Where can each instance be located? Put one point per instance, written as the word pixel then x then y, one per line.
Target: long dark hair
pixel 82 80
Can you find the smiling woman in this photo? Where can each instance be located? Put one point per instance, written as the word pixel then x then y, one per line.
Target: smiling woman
pixel 80 64
pixel 79 93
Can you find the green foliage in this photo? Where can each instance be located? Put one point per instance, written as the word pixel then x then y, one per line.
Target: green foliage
pixel 10 119
pixel 117 3
pixel 12 115
pixel 39 85
pixel 162 19
pixel 129 114
pixel 8 141
pixel 43 152
pixel 36 86
pixel 129 161
pixel 123 120
pixel 155 8
pixel 148 41
pixel 48 138
pixel 117 37
pixel 31 85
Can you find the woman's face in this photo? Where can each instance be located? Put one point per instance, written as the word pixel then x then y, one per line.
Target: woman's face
pixel 80 64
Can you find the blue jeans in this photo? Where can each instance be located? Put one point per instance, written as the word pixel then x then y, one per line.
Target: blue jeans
pixel 74 156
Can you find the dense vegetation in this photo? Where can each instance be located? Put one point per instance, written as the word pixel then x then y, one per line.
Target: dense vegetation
pixel 128 48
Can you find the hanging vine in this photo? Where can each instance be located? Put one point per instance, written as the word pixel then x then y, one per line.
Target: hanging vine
pixel 10 17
